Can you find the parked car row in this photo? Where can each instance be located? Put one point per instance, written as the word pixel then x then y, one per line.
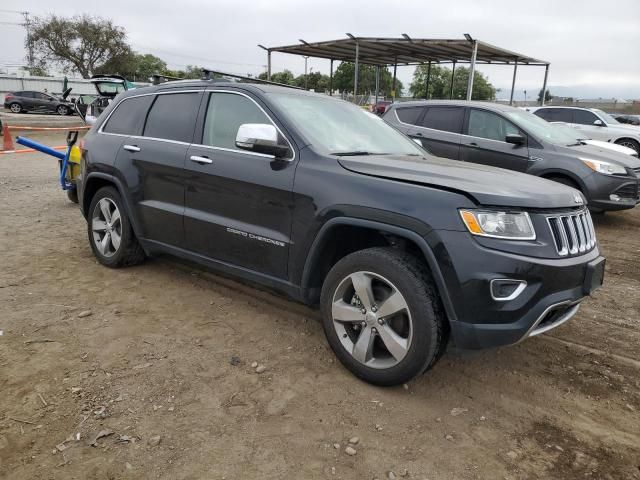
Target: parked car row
pixel 511 138
pixel 401 250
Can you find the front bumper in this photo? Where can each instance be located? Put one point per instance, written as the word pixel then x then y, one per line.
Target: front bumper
pixel 599 189
pixel 554 289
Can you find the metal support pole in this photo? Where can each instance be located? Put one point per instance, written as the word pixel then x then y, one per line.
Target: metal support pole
pixel 472 69
pixel 331 79
pixel 305 73
pixel 393 87
pixel 544 85
pixel 269 65
pixel 426 94
pixel 355 75
pixel 453 73
pixel 513 82
pixel 377 82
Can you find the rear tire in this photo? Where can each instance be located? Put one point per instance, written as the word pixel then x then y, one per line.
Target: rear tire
pixel 403 332
pixel 62 110
pixel 629 143
pixel 15 108
pixel 110 233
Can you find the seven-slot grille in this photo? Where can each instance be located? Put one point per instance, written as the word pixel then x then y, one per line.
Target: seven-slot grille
pixel 572 232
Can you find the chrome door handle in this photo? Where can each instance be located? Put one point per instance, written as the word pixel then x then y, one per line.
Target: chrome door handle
pixel 200 160
pixel 131 148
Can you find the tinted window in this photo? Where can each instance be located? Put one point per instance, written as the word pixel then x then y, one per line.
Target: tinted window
pixel 409 115
pixel 225 113
pixel 25 94
pixel 484 124
pixel 584 117
pixel 128 116
pixel 448 119
pixel 173 117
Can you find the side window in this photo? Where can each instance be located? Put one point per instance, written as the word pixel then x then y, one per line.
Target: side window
pixel 447 119
pixel 560 115
pixel 484 124
pixel 584 117
pixel 225 113
pixel 26 94
pixel 544 113
pixel 409 115
pixel 173 117
pixel 128 116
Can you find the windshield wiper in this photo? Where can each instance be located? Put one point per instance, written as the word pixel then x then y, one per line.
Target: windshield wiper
pixel 357 153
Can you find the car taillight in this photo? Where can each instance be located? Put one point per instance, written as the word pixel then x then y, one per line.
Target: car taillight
pixel 8 96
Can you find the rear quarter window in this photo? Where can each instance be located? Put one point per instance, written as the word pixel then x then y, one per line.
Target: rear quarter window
pixel 173 117
pixel 128 116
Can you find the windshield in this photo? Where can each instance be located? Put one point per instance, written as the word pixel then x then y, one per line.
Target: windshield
pixel 606 117
pixel 571 131
pixel 341 128
pixel 542 129
pixel 109 88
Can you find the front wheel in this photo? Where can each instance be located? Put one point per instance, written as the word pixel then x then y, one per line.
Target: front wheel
pixel 62 110
pixel 15 108
pixel 72 194
pixel 110 233
pixel 382 316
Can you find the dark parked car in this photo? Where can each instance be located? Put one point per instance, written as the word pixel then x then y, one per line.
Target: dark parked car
pixel 317 198
pixel 40 102
pixel 380 107
pixel 628 119
pixel 508 137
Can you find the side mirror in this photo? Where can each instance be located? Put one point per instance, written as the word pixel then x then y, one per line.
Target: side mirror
pixel 515 139
pixel 260 138
pixel 598 123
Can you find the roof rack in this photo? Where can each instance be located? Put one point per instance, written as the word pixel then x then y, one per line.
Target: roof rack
pixel 157 78
pixel 208 74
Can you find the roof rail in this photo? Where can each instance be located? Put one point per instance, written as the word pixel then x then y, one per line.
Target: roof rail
pixel 157 78
pixel 208 74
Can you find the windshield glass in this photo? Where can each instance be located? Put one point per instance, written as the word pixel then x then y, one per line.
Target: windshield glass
pixel 571 131
pixel 606 117
pixel 542 129
pixel 109 88
pixel 338 127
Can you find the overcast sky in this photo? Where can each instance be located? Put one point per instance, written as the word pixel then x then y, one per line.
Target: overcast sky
pixel 593 45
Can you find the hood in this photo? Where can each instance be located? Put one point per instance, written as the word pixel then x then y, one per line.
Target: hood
pixel 598 153
pixel 633 129
pixel 487 185
pixel 611 146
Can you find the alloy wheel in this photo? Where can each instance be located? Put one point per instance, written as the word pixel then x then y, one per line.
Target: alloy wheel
pixel 15 108
pixel 106 227
pixel 372 319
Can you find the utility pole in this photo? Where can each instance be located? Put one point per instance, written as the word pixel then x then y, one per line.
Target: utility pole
pixel 27 26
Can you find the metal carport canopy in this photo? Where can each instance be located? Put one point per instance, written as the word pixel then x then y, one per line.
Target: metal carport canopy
pixel 408 51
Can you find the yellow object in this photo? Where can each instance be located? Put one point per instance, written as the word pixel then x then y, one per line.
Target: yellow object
pixel 73 170
pixel 471 222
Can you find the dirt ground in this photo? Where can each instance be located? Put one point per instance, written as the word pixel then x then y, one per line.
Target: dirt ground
pixel 167 351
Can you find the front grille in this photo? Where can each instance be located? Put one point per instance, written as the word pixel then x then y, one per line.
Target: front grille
pixel 573 233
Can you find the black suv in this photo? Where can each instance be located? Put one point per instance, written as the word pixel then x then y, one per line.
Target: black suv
pixel 39 102
pixel 508 137
pixel 326 202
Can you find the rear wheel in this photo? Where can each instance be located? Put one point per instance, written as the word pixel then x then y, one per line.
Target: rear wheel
pixel 382 316
pixel 15 108
pixel 62 110
pixel 629 143
pixel 110 234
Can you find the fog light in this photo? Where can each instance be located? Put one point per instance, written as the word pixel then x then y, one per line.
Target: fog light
pixel 614 197
pixel 505 289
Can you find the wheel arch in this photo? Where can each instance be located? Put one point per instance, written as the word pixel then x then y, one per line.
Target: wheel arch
pixel 317 263
pixel 549 174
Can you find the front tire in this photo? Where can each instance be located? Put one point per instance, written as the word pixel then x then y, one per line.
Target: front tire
pixel 110 233
pixel 15 108
pixel 382 316
pixel 72 195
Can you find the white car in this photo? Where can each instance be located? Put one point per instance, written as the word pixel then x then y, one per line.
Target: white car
pixel 612 147
pixel 594 123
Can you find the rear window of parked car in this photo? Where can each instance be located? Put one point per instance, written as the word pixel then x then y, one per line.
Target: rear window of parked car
pixel 409 115
pixel 128 116
pixel 447 119
pixel 173 117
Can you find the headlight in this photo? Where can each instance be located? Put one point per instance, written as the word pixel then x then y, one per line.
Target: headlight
pixel 487 223
pixel 604 167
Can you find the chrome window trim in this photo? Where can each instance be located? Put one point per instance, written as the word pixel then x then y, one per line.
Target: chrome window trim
pixel 293 151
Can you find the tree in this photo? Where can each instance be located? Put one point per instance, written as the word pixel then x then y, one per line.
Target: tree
pixel 547 96
pixel 314 81
pixel 285 77
pixel 79 44
pixel 134 66
pixel 440 83
pixel 343 80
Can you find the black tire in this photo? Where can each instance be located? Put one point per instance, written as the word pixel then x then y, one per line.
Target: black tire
pixel 129 251
pixel 72 194
pixel 629 143
pixel 15 108
pixel 62 110
pixel 429 325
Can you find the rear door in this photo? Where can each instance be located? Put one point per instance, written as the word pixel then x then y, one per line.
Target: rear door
pixel 439 130
pixel 485 141
pixel 238 203
pixel 154 165
pixel 28 100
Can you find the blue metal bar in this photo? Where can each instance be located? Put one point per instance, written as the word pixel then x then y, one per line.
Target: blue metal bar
pixel 40 147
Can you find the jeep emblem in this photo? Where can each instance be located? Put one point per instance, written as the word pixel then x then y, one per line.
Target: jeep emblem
pixel 577 198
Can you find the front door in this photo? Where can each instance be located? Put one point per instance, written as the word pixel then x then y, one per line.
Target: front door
pixel 584 120
pixel 485 142
pixel 238 203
